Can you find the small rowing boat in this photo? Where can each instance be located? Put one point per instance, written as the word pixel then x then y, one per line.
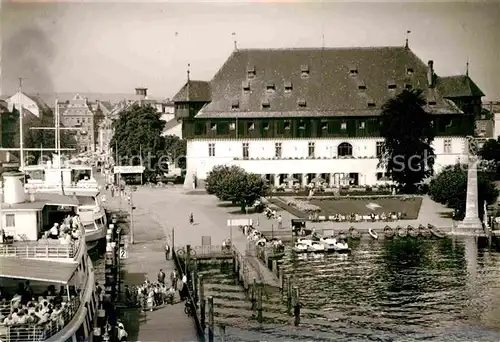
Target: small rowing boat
pixel 354 233
pixel 373 233
pixel 436 231
pixel 388 232
pixel 401 231
pixel 424 231
pixel 412 231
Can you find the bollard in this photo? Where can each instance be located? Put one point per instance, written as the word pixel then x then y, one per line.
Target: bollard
pixel 254 294
pixel 194 280
pixel 210 319
pixel 259 303
pixel 296 310
pixel 289 295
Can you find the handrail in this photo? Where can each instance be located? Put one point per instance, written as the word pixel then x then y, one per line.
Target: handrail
pixel 47 251
pixel 40 332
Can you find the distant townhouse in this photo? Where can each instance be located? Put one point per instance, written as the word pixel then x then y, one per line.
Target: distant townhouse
pixel 31 103
pixel 76 113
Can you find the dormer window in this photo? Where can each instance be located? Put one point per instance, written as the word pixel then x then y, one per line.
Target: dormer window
pixel 391 85
pixel 266 104
pixel 408 86
pixel 371 104
pixel 361 85
pixel 251 72
pixel 235 104
pixel 353 70
pixel 302 103
pixel 213 127
pixel 288 86
pixel 409 71
pixel 270 87
pixel 304 70
pixel 246 86
pixel 232 126
pixel 287 125
pixel 302 125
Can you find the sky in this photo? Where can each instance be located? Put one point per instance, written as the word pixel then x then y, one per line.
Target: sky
pixel 114 47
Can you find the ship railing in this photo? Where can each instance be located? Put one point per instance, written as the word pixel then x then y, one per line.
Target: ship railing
pixel 40 331
pixel 68 187
pixel 40 251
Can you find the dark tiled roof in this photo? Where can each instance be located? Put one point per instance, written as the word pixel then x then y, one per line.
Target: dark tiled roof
pixel 107 105
pixel 199 91
pixel 77 110
pixel 458 86
pixel 329 89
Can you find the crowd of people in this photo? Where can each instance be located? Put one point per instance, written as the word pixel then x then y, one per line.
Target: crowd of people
pixel 66 232
pixel 27 314
pixel 151 295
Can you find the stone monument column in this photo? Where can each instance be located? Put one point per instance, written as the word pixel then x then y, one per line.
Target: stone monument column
pixel 471 222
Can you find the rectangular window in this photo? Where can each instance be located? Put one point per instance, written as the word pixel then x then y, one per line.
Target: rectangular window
pixel 246 86
pixel 223 128
pixel 266 104
pixel 304 71
pixel 232 126
pixel 277 150
pixel 302 103
pixel 324 125
pixel 343 126
pixel 265 126
pixel 362 125
pixel 235 104
pixel 270 87
pixel 380 148
pixel 250 126
pixel 10 220
pixel 409 71
pixel 302 125
pixel 245 150
pixel 211 149
pixel 447 146
pixel 213 127
pixel 251 72
pixel 287 125
pixel 288 87
pixel 311 150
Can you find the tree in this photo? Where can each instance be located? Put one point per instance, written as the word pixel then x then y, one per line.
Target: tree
pixel 490 151
pixel 235 184
pixel 137 140
pixel 34 138
pixel 449 187
pixel 407 128
pixel 175 148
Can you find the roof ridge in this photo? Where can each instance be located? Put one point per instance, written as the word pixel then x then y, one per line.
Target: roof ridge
pixel 324 48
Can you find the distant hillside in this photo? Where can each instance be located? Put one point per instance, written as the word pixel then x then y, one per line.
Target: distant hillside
pixel 112 97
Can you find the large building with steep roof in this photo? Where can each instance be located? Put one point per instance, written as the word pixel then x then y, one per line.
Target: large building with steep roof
pixel 306 113
pixel 30 103
pixel 77 114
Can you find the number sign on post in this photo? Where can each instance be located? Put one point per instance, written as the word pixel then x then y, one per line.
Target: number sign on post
pixel 123 253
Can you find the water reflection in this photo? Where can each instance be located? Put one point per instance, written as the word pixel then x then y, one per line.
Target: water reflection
pixel 404 289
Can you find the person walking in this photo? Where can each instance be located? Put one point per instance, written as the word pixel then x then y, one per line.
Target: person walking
pixel 161 277
pixel 280 222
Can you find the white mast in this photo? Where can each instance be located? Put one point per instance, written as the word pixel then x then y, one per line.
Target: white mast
pixel 21 133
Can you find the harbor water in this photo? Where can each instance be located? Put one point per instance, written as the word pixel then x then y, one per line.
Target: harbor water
pixel 399 290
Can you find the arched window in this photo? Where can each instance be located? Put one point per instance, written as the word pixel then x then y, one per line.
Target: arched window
pixel 344 149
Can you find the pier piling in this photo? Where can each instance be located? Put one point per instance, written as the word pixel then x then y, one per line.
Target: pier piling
pixel 259 303
pixel 289 295
pixel 254 294
pixel 202 300
pixel 296 310
pixel 210 319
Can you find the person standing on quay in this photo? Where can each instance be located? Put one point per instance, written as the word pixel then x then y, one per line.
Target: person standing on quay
pixel 161 277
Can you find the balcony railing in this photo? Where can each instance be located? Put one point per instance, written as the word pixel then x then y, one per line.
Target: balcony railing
pixel 40 331
pixel 55 185
pixel 40 251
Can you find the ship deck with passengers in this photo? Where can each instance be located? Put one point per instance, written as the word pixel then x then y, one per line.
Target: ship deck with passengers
pixel 47 284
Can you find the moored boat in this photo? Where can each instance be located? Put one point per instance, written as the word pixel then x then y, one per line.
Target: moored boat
pixel 436 231
pixel 373 233
pixel 401 231
pixel 42 257
pixel 354 233
pixel 305 241
pixel 424 231
pixel 412 231
pixel 300 248
pixel 388 232
pixel 316 247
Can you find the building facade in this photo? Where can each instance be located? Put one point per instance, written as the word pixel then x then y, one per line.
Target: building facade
pixel 304 113
pixel 31 103
pixel 77 114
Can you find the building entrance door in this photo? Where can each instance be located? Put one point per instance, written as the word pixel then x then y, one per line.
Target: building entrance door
pixel 354 179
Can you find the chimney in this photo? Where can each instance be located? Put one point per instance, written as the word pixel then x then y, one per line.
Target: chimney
pixel 13 187
pixel 142 92
pixel 430 74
